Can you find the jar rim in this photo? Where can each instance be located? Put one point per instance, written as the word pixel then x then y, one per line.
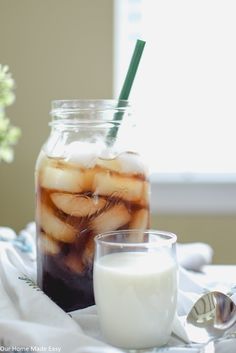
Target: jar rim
pixel 76 106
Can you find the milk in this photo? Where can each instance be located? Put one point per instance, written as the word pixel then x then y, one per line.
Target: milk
pixel 135 293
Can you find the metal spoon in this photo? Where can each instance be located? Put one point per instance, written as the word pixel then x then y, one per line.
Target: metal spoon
pixel 210 317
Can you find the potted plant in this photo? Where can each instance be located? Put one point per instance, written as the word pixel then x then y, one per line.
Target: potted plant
pixel 9 134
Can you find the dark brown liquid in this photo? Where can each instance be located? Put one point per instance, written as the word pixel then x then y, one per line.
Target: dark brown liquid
pixel 69 290
pixel 68 220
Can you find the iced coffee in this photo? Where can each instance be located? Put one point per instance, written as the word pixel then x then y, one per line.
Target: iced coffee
pixel 86 191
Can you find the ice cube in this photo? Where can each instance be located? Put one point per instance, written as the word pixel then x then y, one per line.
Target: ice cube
pixel 125 162
pixel 131 163
pixel 144 201
pixel 55 227
pixel 48 245
pixel 88 177
pixel 112 164
pixel 61 177
pixel 83 153
pixel 78 205
pixel 111 219
pixel 140 219
pixel 129 189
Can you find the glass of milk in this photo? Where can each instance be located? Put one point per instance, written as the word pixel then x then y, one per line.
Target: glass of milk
pixel 135 287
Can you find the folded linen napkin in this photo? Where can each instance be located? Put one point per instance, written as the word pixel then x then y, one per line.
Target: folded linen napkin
pixel 30 320
pixel 193 256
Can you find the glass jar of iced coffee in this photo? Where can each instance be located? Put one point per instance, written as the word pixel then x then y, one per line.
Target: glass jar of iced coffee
pixel 90 178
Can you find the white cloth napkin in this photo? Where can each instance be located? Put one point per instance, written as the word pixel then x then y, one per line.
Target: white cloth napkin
pixel 30 321
pixel 193 256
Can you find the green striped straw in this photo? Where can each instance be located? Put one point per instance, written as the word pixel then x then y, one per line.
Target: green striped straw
pixel 126 88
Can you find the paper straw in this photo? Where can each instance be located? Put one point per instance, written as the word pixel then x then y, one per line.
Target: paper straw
pixel 126 88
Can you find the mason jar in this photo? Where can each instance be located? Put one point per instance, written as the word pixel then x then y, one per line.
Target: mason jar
pixel 90 179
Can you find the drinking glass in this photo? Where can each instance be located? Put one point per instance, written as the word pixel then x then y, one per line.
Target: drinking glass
pixel 135 287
